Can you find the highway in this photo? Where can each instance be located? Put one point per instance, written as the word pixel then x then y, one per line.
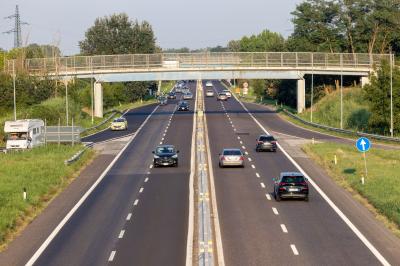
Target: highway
pixel 138 215
pixel 256 230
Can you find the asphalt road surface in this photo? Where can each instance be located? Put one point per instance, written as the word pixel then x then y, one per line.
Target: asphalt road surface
pixel 137 215
pixel 255 229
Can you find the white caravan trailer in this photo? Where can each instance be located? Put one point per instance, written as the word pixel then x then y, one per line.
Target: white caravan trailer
pixel 24 134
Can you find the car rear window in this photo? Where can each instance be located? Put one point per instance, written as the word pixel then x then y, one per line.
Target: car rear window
pixel 267 138
pixel 165 150
pixel 119 120
pixel 232 152
pixel 293 179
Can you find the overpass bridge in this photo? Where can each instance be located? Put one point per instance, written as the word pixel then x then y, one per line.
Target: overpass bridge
pixel 184 66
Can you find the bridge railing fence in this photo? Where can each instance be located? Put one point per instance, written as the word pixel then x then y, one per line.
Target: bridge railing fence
pixel 87 64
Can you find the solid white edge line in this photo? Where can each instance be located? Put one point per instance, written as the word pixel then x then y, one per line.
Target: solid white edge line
pixel 294 249
pixel 53 234
pixel 112 255
pixel 217 227
pixel 121 234
pixel 284 229
pixel 189 241
pixel 355 230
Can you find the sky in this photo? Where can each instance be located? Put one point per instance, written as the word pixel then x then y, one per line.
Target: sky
pixel 176 23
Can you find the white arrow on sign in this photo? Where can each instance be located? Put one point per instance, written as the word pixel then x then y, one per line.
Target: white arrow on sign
pixel 363 143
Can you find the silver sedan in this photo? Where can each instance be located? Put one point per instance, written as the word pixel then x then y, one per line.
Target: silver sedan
pixel 231 157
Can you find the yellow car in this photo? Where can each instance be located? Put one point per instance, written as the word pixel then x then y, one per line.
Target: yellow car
pixel 119 123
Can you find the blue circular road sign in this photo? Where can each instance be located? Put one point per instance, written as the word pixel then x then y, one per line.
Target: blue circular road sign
pixel 363 144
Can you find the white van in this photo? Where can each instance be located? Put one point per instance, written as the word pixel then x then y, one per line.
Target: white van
pixel 24 134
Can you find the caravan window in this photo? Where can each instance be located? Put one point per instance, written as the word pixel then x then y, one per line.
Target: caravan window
pixel 17 136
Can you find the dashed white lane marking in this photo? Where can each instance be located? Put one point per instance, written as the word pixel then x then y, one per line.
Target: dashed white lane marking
pixel 148 172
pixel 262 185
pixel 268 196
pixel 162 139
pixel 249 159
pixel 238 137
pixel 151 166
pixel 233 125
pixel 284 228
pixel 275 210
pixel 234 129
pixel 121 234
pixel 164 135
pixel 258 175
pixel 112 255
pixel 246 153
pixel 146 179
pixel 136 202
pixel 243 147
pixel 129 216
pixel 241 142
pixel 160 142
pixel 141 190
pixel 252 166
pixel 294 249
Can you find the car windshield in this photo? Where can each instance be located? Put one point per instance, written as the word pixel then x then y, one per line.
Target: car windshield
pixel 293 179
pixel 161 150
pixel 119 120
pixel 267 138
pixel 232 152
pixel 183 103
pixel 17 136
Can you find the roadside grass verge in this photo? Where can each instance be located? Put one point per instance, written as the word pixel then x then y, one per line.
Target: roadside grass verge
pixel 381 191
pixel 44 175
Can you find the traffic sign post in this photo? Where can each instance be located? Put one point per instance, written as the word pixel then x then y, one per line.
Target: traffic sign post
pixel 363 145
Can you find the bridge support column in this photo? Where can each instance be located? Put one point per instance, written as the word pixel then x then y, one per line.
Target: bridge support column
pixel 301 95
pixel 98 99
pixel 364 81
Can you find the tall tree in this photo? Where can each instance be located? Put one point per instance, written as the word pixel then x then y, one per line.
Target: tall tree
pixel 316 27
pixel 117 34
pixel 377 93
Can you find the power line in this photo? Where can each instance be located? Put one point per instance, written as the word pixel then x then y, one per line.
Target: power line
pixel 17 28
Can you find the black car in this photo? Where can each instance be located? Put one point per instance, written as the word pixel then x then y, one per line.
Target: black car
pixel 165 155
pixel 183 106
pixel 266 142
pixel 291 185
pixel 172 95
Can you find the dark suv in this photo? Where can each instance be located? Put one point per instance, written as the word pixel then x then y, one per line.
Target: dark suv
pixel 165 155
pixel 266 142
pixel 291 185
pixel 183 106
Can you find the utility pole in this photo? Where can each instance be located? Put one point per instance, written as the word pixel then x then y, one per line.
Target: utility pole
pixel 312 87
pixel 341 91
pixel 391 92
pixel 66 92
pixel 15 101
pixel 17 28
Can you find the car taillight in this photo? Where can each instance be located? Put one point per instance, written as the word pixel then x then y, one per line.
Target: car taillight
pixel 241 158
pixel 260 142
pixel 282 184
pixel 222 158
pixel 273 142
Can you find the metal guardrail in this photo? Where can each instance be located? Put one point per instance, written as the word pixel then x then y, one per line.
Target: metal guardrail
pixel 78 155
pixel 113 112
pixel 349 132
pixel 131 62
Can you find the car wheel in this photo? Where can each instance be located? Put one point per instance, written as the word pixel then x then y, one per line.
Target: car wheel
pixel 277 197
pixel 220 165
pixel 257 150
pixel 176 164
